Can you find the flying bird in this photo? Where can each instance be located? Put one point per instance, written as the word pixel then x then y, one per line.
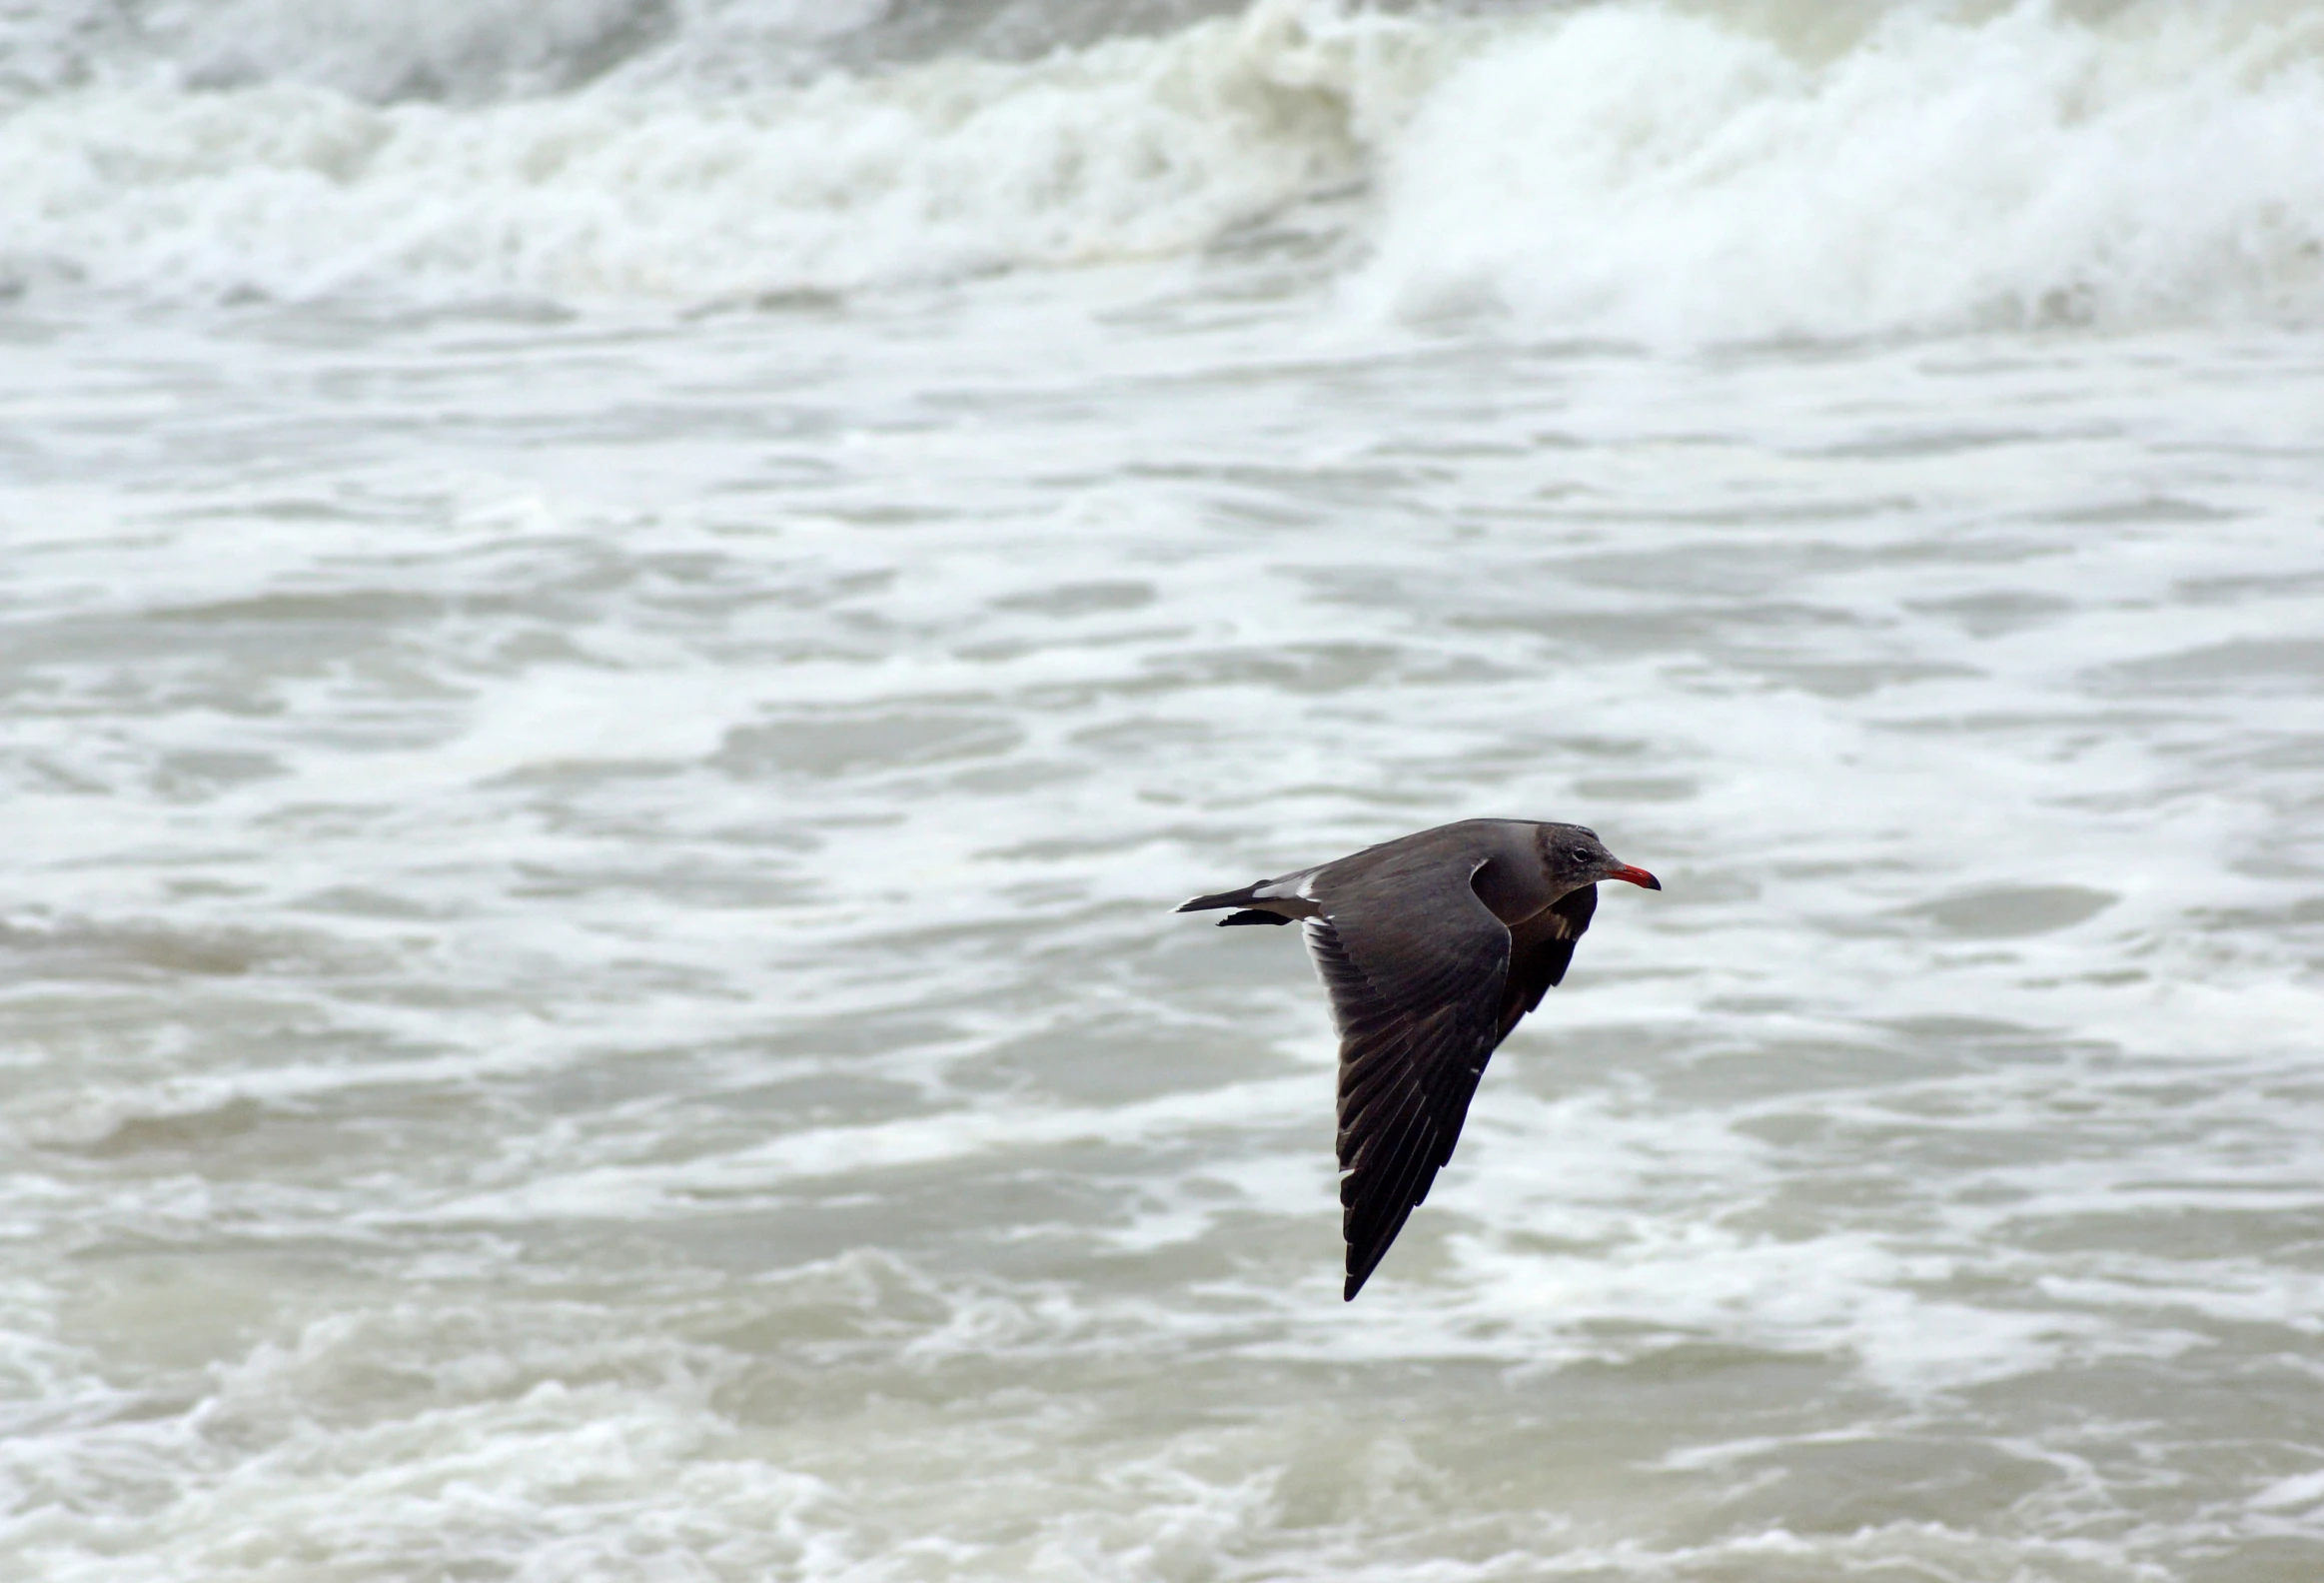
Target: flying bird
pixel 1431 947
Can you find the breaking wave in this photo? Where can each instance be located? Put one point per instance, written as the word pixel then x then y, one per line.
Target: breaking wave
pixel 1629 169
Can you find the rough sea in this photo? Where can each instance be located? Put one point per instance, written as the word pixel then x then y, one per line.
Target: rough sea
pixel 621 620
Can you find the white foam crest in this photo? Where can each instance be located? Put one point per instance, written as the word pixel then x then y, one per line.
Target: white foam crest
pixel 1132 148
pixel 1624 170
pixel 1637 172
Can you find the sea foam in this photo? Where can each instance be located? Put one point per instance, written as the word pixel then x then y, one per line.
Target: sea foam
pixel 1624 170
pixel 635 190
pixel 1635 172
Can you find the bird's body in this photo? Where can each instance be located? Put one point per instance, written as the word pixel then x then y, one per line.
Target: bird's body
pixel 1431 947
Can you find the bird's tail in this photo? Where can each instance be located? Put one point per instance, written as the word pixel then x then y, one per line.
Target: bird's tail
pixel 1225 899
pixel 1235 898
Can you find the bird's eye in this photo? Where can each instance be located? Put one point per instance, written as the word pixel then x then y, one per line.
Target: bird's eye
pixel 1582 854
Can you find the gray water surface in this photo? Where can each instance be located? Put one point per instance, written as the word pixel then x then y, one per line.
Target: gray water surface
pixel 590 989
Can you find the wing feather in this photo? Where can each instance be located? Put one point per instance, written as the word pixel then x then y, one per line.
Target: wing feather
pixel 1416 968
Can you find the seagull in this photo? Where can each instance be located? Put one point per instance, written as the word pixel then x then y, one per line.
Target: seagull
pixel 1431 947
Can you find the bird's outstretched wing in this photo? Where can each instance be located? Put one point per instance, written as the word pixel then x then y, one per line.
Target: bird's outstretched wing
pixel 1417 968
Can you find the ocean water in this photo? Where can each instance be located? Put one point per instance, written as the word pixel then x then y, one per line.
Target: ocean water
pixel 621 619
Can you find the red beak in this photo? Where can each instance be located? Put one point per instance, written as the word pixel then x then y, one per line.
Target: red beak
pixel 1636 876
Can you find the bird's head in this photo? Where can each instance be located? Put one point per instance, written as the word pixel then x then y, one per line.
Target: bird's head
pixel 1573 856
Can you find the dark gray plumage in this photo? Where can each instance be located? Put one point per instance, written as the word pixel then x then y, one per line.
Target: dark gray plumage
pixel 1431 947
